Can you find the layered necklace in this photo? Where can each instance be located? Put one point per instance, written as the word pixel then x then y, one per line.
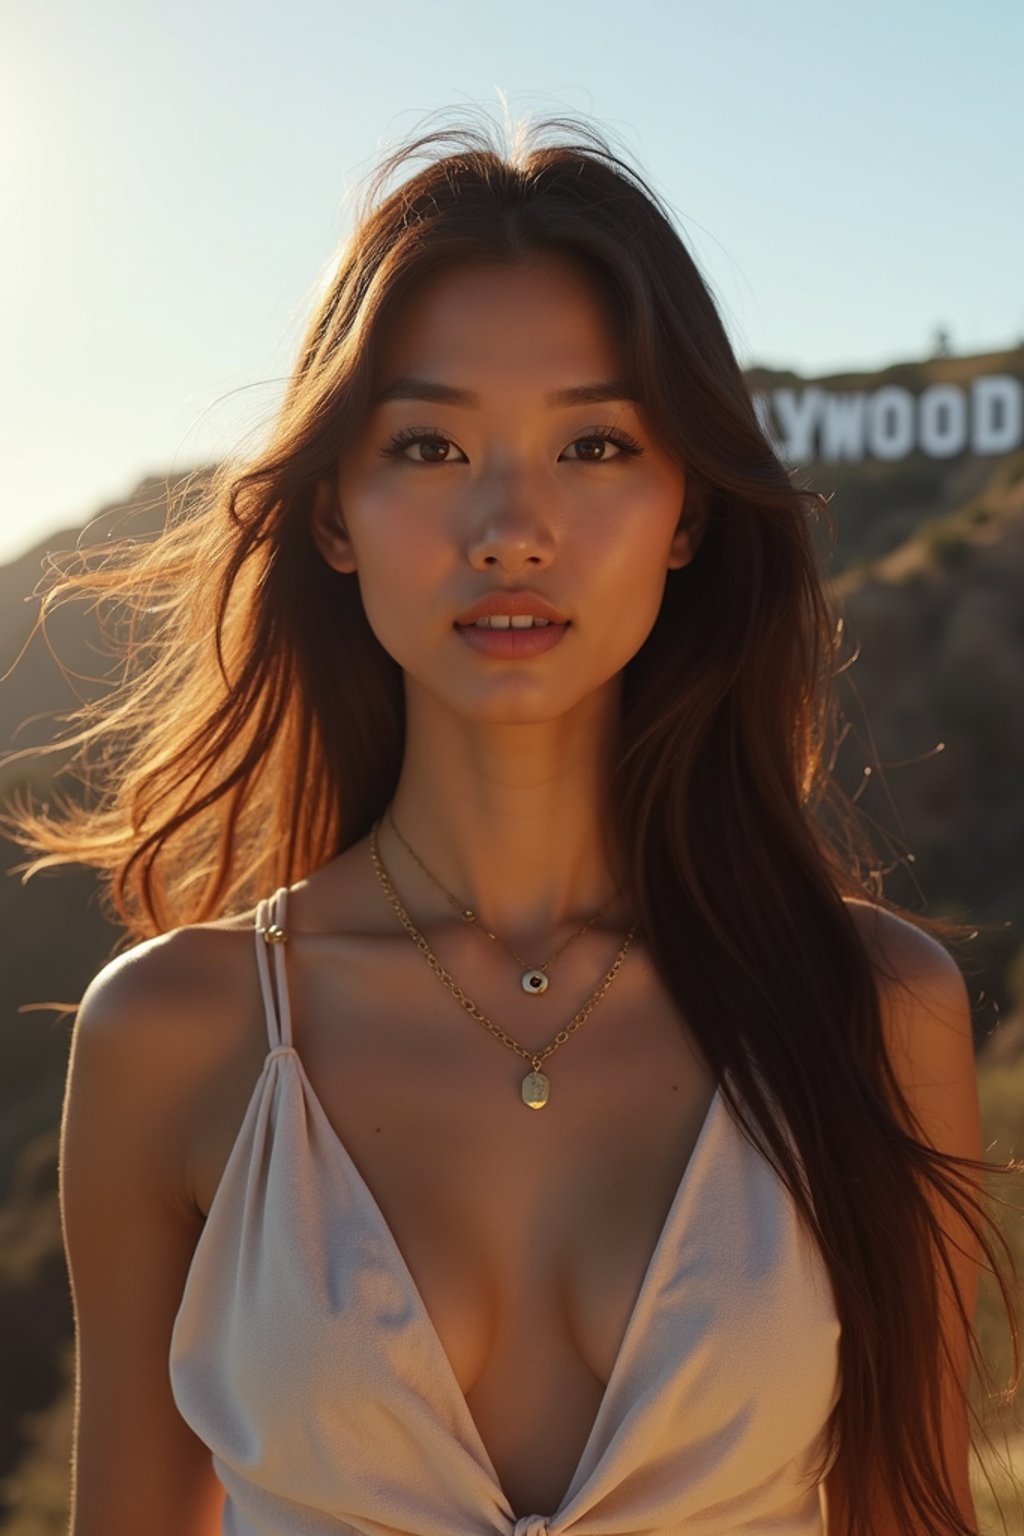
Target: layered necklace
pixel 535 1088
pixel 535 979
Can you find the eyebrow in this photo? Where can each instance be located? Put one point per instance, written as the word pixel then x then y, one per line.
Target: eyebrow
pixel 407 388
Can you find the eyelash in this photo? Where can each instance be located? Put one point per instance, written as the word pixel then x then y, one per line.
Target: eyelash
pixel 627 446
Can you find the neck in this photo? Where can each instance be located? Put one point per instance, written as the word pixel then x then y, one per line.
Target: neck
pixel 514 820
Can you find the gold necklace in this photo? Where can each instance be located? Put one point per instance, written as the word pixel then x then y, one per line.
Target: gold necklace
pixel 535 1088
pixel 534 979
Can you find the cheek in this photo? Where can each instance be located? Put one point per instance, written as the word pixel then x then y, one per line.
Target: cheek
pixel 629 552
pixel 403 563
pixel 626 585
pixel 394 531
pixel 637 607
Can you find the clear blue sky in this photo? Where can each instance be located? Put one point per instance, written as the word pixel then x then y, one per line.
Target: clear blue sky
pixel 176 178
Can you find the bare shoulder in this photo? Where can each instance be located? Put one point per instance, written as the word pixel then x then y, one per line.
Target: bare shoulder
pixel 169 989
pixel 906 959
pixel 164 1022
pixel 895 938
pixel 159 969
pixel 926 1016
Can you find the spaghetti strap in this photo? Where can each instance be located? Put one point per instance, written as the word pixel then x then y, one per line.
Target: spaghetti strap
pixel 271 938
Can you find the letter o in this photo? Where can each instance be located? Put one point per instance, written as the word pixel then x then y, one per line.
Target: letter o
pixel 890 422
pixel 939 438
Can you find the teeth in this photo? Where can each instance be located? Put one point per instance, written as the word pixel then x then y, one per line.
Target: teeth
pixel 515 621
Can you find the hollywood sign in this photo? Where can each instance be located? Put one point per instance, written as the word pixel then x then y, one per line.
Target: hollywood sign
pixel 891 422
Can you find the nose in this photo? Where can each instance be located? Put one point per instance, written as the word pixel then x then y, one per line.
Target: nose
pixel 510 530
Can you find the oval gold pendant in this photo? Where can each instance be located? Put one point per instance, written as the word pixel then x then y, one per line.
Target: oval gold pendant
pixel 535 981
pixel 535 1090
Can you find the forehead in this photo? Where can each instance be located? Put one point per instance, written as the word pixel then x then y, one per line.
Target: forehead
pixel 547 314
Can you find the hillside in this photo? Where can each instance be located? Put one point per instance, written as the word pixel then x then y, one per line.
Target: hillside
pixel 937 693
pixel 882 502
pixel 32 685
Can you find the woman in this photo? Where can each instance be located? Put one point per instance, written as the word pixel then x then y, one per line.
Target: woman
pixel 573 1141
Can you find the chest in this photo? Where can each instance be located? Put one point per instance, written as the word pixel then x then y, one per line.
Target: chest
pixel 527 1234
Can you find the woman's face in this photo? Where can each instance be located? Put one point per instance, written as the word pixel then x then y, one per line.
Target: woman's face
pixel 472 478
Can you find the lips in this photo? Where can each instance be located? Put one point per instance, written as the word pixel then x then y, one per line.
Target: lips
pixel 511 644
pixel 512 604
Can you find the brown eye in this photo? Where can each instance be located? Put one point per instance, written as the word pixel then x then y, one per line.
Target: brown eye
pixel 592 448
pixel 434 448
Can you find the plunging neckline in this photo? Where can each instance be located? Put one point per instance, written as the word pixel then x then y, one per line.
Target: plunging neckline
pixel 434 1343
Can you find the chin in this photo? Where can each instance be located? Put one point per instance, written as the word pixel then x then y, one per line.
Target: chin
pixel 521 701
pixel 506 710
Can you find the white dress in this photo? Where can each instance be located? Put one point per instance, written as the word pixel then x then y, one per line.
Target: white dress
pixel 303 1355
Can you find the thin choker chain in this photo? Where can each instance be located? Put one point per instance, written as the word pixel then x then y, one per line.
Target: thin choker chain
pixel 535 978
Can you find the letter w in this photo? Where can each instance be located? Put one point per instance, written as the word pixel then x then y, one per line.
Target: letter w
pixel 842 431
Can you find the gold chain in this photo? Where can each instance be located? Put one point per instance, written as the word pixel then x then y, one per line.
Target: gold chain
pixel 469 916
pixel 535 1084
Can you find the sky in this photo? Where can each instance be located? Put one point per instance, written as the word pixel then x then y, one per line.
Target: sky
pixel 177 179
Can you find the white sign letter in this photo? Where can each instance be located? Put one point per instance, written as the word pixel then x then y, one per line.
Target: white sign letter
pixel 942 425
pixel 842 432
pixel 998 403
pixel 798 419
pixel 891 422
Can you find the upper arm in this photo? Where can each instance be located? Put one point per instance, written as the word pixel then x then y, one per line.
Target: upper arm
pixel 130 1234
pixel 926 1020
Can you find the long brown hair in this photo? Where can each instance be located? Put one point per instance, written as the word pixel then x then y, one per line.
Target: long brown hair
pixel 251 670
